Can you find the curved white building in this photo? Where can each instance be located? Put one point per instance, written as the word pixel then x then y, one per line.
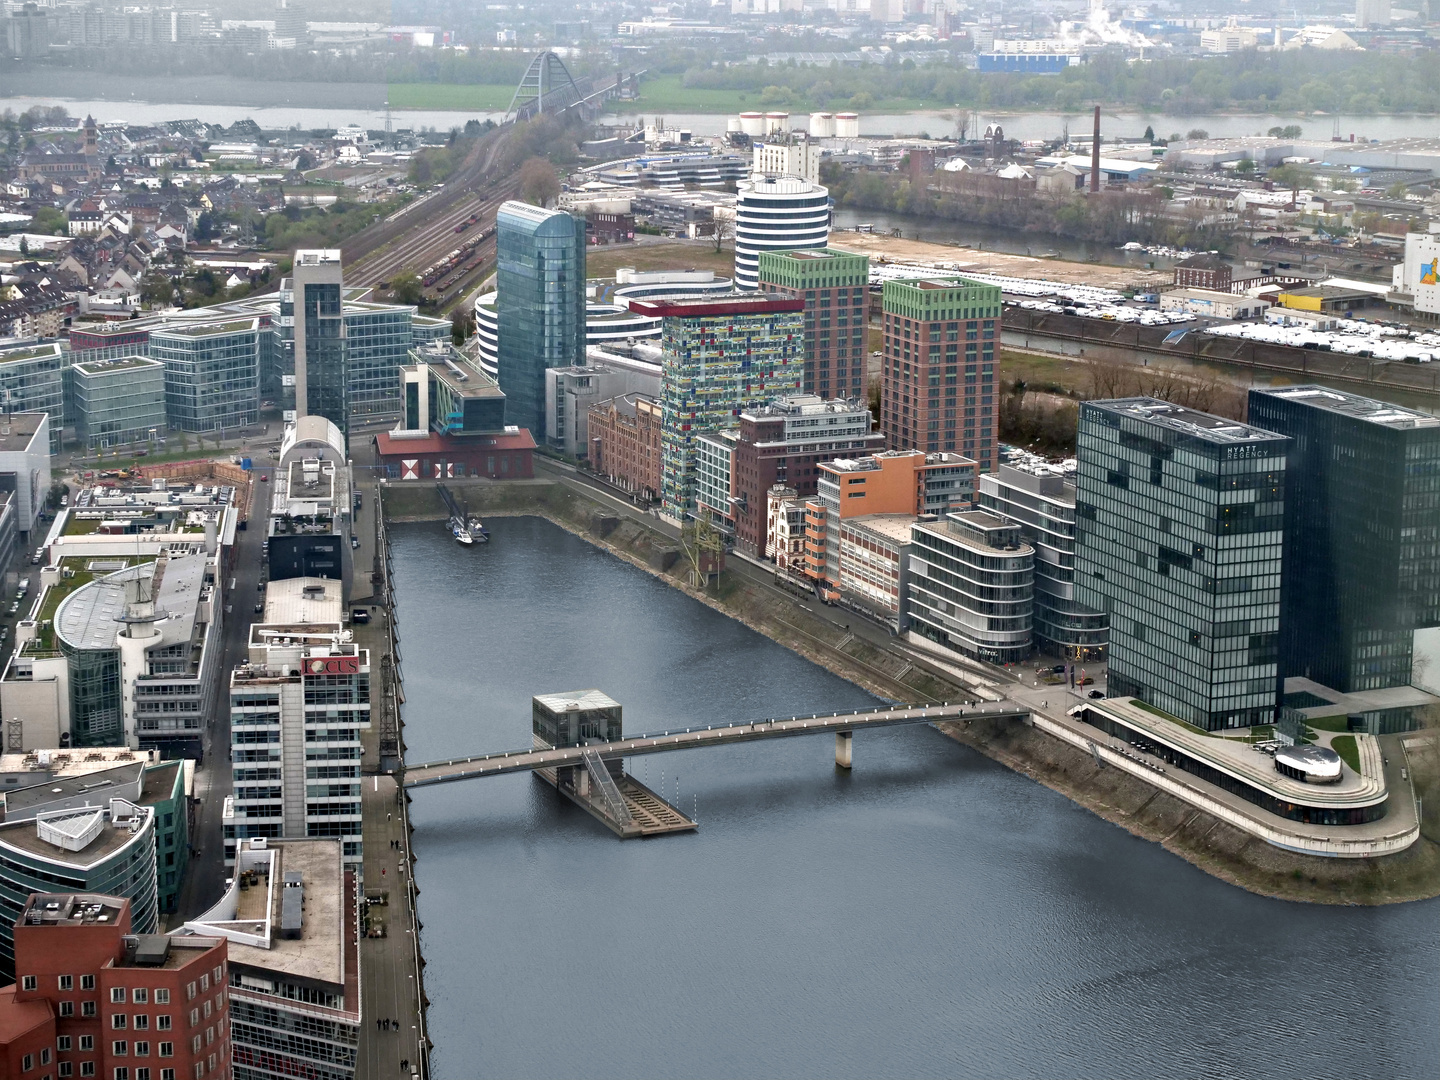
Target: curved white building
pixel 487 328
pixel 604 324
pixel 781 213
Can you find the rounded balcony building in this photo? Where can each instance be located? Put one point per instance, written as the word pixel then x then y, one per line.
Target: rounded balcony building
pixel 780 213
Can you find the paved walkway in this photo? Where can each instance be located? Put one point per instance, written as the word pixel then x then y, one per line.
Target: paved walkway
pixel 387 964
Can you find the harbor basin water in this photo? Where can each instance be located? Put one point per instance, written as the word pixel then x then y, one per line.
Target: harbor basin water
pixel 929 914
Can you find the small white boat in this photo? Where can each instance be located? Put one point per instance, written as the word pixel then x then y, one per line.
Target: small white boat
pixel 460 532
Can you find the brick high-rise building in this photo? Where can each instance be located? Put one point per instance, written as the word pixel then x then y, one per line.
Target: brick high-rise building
pixel 834 286
pixel 937 384
pixel 115 1004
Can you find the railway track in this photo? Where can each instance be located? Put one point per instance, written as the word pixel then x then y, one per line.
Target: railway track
pixel 418 235
pixel 428 243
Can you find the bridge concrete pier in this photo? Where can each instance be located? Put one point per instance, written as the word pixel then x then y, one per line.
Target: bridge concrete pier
pixel 843 748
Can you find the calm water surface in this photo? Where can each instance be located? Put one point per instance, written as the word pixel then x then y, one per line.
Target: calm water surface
pixel 930 914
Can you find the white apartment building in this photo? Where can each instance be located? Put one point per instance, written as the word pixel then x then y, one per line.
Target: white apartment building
pixel 297 709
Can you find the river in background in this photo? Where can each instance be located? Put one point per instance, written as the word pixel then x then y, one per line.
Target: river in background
pixel 277 106
pixel 929 914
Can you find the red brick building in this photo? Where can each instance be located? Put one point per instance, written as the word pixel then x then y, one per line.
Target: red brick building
pixel 624 437
pixel 784 443
pixel 432 456
pixel 1204 271
pixel 119 1006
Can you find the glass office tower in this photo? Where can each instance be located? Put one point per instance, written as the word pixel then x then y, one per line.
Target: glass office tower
pixel 1362 544
pixel 378 340
pixel 322 384
pixel 212 373
pixel 1180 520
pixel 540 287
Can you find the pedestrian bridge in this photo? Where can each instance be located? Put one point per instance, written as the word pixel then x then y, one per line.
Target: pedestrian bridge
pixel 841 724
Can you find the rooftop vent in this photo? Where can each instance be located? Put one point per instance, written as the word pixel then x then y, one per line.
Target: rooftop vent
pixel 152 950
pixel 292 905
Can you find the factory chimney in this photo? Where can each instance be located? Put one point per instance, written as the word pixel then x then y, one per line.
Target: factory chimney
pixel 1095 155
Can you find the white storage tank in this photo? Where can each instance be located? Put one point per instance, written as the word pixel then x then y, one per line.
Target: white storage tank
pixel 847 125
pixel 777 123
pixel 753 124
pixel 733 124
pixel 822 125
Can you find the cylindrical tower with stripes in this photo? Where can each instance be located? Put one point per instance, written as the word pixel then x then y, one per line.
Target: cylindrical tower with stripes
pixel 781 213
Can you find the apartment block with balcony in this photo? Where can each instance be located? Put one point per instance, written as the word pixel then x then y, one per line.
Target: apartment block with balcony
pixel 1042 503
pixel 971 586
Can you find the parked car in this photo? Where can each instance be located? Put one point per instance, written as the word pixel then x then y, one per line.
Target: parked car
pixel 259 608
pixel 354 541
pixel 1097 693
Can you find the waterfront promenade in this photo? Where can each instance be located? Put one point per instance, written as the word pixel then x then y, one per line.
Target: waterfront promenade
pixel 390 966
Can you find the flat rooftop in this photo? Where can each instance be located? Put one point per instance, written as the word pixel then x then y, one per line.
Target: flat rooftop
pixel 1186 421
pixel 892 526
pixel 304 600
pixel 319 952
pixel 96 787
pixel 22 428
pixel 23 836
pixel 72 909
pixel 100 368
pixel 209 329
pixel 578 699
pixel 1354 406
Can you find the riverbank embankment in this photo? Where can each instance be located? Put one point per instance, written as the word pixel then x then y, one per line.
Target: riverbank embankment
pixel 890 671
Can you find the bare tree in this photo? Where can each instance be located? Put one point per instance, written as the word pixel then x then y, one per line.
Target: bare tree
pixel 724 231
pixel 538 183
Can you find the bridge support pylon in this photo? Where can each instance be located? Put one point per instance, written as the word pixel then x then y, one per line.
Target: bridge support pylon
pixel 843 740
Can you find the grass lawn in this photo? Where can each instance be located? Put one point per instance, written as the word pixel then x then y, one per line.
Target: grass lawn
pixel 1329 723
pixel 603 261
pixel 1344 745
pixel 1173 719
pixel 482 97
pixel 1046 374
pixel 667 93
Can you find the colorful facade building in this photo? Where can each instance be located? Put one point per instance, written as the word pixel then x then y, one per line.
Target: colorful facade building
pixel 937 384
pixel 720 357
pixel 783 442
pixel 834 285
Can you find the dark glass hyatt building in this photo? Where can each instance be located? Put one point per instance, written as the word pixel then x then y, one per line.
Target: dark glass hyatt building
pixel 1180 527
pixel 1362 550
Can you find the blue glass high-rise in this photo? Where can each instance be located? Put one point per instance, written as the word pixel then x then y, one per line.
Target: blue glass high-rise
pixel 540 282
